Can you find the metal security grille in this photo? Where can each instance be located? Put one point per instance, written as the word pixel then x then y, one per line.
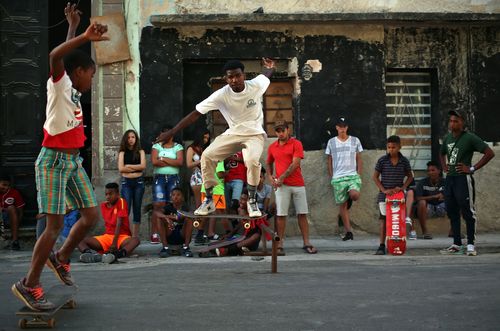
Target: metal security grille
pixel 408 102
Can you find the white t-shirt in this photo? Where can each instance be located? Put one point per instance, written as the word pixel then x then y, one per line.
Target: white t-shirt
pixel 242 111
pixel 343 155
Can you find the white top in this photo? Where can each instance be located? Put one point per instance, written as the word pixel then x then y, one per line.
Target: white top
pixel 63 111
pixel 242 111
pixel 343 155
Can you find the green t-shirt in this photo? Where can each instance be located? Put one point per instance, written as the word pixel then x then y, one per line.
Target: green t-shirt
pixel 219 188
pixel 464 149
pixel 170 153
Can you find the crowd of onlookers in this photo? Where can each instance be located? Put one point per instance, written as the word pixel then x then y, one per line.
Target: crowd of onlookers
pixel 170 228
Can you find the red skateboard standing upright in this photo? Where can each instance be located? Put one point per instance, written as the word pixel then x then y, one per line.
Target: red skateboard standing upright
pixel 395 225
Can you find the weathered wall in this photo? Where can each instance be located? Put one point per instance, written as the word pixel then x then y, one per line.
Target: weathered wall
pixel 348 66
pixel 327 6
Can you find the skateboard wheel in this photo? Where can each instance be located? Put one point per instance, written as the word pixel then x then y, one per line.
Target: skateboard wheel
pixel 23 323
pixel 247 226
pixel 71 304
pixel 196 224
pixel 51 323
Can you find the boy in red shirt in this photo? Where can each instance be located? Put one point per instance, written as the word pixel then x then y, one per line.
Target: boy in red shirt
pixel 11 206
pixel 60 178
pixel 283 160
pixel 117 240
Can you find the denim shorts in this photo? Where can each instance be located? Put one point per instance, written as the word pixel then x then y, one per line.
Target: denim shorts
pixel 163 185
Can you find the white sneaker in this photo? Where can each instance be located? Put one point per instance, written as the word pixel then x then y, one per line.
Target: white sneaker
pixel 408 221
pixel 108 258
pixel 207 207
pixel 413 235
pixel 253 208
pixel 471 250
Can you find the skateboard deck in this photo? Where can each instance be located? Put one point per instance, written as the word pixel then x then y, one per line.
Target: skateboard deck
pixel 62 296
pixel 395 223
pixel 247 218
pixel 222 243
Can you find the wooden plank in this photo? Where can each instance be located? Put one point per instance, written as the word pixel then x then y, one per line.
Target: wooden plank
pixel 280 88
pixel 278 102
pixel 279 115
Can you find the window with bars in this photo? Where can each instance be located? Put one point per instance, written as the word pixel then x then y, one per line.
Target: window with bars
pixel 408 102
pixel 277 106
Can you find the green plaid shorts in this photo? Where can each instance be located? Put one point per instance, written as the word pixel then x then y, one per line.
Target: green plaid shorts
pixel 342 186
pixel 62 182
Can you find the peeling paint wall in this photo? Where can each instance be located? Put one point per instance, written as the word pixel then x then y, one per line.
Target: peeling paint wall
pixel 331 6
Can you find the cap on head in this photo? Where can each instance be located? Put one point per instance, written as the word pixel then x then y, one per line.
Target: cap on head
pixel 458 113
pixel 280 124
pixel 342 121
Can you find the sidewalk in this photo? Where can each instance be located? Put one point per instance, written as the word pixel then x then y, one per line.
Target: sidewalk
pixel 334 244
pixel 485 243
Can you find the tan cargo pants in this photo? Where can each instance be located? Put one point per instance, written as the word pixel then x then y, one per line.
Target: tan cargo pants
pixel 226 145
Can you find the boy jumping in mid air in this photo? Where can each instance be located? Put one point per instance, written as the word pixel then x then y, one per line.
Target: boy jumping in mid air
pixel 60 177
pixel 117 241
pixel 240 104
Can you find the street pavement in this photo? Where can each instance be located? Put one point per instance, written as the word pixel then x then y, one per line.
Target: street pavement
pixel 343 287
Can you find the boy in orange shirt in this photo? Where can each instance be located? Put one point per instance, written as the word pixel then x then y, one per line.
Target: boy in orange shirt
pixel 117 240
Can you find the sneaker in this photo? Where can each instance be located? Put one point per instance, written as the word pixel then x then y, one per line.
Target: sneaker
pixel 215 237
pixel 155 238
pixel 108 258
pixel 471 250
pixel 380 250
pixel 253 208
pixel 33 297
pixel 186 251
pixel 206 207
pixel 15 246
pixel 408 221
pixel 62 270
pixel 200 240
pixel 413 235
pixel 453 250
pixel 165 252
pixel 348 236
pixel 89 257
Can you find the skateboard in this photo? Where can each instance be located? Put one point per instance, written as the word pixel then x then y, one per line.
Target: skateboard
pixel 62 296
pixel 395 223
pixel 196 223
pixel 222 243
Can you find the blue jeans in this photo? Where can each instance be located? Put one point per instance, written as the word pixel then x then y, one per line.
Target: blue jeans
pixel 163 185
pixel 132 191
pixel 233 190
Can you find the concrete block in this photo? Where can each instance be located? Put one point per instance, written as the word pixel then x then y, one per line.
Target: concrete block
pixel 113 110
pixel 112 86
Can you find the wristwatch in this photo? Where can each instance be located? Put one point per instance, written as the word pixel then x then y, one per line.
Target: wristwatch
pixel 472 169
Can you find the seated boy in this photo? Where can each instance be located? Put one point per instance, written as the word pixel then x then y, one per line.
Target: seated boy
pixel 252 235
pixel 429 195
pixel 389 176
pixel 174 229
pixel 117 240
pixel 263 196
pixel 11 207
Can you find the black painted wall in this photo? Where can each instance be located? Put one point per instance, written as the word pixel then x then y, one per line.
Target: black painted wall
pixel 349 67
pixel 465 64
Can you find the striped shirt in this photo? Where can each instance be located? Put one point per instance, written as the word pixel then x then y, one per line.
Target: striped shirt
pixel 392 175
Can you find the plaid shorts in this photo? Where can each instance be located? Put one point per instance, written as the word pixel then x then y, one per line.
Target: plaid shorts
pixel 342 186
pixel 62 183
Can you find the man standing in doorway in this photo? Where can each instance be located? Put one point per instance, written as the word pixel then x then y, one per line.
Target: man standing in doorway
pixel 240 102
pixel 288 182
pixel 344 168
pixel 456 160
